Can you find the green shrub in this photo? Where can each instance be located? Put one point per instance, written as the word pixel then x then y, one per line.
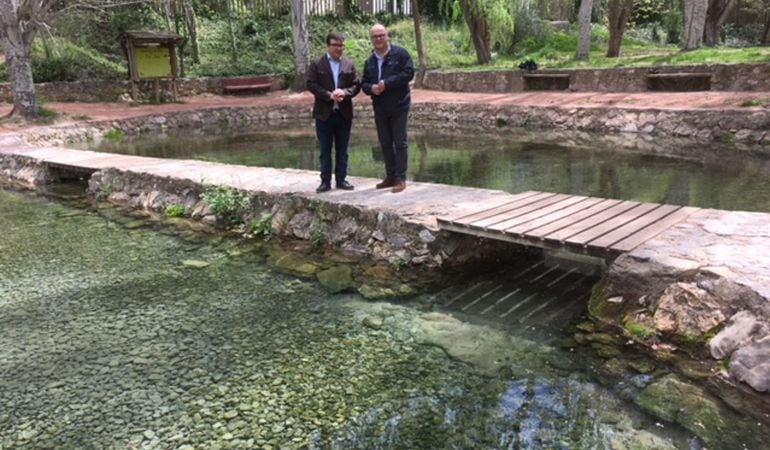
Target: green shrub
pixel 227 203
pixel 176 210
pixel 263 226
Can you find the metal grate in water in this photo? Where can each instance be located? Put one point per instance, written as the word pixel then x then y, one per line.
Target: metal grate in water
pixel 538 293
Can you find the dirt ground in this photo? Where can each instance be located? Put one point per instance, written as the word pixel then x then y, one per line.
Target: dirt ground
pixel 72 112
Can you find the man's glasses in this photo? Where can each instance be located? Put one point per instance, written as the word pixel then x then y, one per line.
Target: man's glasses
pixel 337 45
pixel 379 36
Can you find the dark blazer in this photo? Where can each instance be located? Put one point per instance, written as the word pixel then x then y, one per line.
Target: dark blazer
pixel 397 71
pixel 320 81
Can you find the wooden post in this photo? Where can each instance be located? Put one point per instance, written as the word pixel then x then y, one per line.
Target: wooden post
pixel 174 70
pixel 133 71
pixel 156 88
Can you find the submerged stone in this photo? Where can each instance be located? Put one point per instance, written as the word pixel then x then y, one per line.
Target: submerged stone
pixel 336 279
pixel 195 263
pixel 675 400
pixel 292 263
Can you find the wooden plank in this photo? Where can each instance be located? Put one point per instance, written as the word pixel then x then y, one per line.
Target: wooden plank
pixel 591 221
pixel 554 216
pixel 633 227
pixel 564 203
pixel 543 231
pixel 525 209
pixel 522 201
pixel 511 199
pixel 612 224
pixel 628 244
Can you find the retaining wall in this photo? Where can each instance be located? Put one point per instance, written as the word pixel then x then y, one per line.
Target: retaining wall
pixel 724 77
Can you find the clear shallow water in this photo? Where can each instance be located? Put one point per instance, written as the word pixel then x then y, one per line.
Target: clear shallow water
pixel 108 340
pixel 711 175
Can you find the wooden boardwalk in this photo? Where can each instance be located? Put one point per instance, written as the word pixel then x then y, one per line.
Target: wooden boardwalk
pixel 595 226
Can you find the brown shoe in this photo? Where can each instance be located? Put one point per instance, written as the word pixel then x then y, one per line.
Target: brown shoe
pixel 399 186
pixel 386 183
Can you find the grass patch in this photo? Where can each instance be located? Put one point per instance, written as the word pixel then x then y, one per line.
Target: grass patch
pixel 754 102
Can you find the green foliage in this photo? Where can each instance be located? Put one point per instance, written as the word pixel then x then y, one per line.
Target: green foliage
pixel 398 263
pixel 499 14
pixel 114 135
pixel 317 234
pixel 647 11
pixel 227 203
pixel 46 115
pixel 639 330
pixel 176 210
pixel 64 61
pixel 106 189
pixel 759 101
pixel 263 226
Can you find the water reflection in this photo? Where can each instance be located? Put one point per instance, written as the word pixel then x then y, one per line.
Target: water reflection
pixel 625 167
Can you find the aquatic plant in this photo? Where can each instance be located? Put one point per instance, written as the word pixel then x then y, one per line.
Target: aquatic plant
pixel 114 135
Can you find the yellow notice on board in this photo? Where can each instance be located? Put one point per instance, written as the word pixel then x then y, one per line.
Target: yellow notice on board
pixel 153 62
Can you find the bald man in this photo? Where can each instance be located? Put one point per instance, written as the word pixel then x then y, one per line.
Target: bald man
pixel 386 77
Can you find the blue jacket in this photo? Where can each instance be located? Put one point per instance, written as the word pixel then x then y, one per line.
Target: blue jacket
pixel 397 72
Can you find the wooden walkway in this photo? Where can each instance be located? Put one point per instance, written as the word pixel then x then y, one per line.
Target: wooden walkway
pixel 596 226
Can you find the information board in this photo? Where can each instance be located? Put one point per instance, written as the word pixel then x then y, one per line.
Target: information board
pixel 153 62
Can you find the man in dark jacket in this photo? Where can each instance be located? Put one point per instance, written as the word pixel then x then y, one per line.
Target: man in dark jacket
pixel 387 73
pixel 333 80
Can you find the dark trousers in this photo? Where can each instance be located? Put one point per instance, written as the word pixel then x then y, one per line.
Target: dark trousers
pixel 334 131
pixel 391 132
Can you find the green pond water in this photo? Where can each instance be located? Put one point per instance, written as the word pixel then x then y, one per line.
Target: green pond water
pixel 708 175
pixel 111 338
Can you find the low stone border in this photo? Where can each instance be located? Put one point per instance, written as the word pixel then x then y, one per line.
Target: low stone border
pixel 724 77
pixel 749 128
pixel 114 90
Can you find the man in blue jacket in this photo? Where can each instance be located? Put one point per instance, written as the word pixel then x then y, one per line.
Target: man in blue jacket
pixel 387 73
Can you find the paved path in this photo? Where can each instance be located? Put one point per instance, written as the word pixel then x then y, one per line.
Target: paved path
pixel 663 100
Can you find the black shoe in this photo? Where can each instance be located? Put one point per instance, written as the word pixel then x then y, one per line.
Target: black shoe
pixel 325 186
pixel 345 186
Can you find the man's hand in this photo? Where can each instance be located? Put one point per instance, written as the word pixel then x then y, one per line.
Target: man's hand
pixel 378 88
pixel 338 95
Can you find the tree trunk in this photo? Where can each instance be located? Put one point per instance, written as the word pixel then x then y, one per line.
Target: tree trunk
pixel 620 11
pixel 479 29
pixel 301 44
pixel 16 37
pixel 231 29
pixel 421 65
pixel 766 40
pixel 584 19
pixel 717 13
pixel 694 23
pixel 19 60
pixel 192 29
pixel 167 13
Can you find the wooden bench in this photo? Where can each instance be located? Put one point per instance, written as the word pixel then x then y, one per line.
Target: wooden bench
pixel 681 82
pixel 246 84
pixel 546 81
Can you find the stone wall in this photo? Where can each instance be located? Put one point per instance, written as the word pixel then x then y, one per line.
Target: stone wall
pixel 110 91
pixel 738 77
pixel 747 130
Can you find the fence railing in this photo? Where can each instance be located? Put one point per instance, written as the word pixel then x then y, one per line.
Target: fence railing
pixel 322 7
